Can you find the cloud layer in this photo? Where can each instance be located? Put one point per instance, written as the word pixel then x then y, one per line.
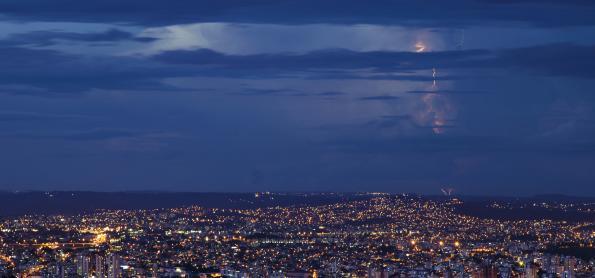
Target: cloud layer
pixel 403 96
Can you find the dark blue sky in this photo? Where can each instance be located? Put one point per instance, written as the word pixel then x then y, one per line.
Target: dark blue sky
pixel 484 96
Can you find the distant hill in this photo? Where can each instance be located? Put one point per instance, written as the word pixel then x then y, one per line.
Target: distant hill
pixel 553 207
pixel 74 202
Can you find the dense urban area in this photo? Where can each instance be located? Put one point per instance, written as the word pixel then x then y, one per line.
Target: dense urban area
pixel 378 235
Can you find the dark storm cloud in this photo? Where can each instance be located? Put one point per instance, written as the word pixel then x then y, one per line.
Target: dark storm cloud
pixel 87 135
pixel 449 92
pixel 563 59
pixel 49 72
pixel 325 59
pixel 381 98
pixel 10 116
pixel 262 92
pixel 46 38
pixel 287 93
pixel 554 59
pixel 45 72
pixel 330 94
pixel 566 2
pixel 42 72
pixel 429 12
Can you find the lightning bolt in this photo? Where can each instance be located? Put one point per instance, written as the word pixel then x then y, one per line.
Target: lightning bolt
pixel 434 74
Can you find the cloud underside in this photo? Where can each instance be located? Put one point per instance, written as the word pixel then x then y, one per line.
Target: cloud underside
pixel 42 72
pixel 426 13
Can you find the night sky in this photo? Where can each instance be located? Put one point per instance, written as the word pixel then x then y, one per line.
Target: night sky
pixel 485 96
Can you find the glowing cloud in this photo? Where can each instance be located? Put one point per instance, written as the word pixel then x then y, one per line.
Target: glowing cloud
pixel 420 47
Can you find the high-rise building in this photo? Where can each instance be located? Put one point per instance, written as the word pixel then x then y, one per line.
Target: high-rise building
pixel 568 274
pixel 60 271
pixel 448 273
pixel 486 271
pixel 154 270
pixel 99 266
pixel 373 273
pixel 113 266
pixel 569 264
pixel 82 265
pixel 530 271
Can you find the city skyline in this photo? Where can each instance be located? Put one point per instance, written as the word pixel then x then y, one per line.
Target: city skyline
pixel 297 139
pixel 365 235
pixel 484 97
